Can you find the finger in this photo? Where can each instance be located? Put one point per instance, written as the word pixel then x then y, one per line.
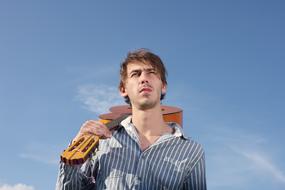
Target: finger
pixel 102 132
pixel 90 124
pixel 96 128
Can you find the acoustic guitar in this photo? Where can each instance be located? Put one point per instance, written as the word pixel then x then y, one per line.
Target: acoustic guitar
pixel 79 151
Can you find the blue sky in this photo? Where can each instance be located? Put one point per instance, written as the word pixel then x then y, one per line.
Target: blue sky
pixel 59 64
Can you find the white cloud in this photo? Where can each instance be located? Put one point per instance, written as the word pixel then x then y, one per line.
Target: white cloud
pixel 34 151
pixel 236 159
pixel 39 158
pixel 258 159
pixel 19 186
pixel 99 98
pixel 261 162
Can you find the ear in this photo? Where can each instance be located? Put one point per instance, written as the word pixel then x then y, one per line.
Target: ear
pixel 123 91
pixel 163 89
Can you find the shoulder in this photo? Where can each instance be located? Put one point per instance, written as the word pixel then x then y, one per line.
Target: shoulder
pixel 187 143
pixel 192 149
pixel 191 146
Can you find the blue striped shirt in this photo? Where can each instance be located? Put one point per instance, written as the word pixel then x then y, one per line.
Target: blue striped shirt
pixel 172 162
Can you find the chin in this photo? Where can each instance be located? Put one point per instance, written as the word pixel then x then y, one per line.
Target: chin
pixel 147 105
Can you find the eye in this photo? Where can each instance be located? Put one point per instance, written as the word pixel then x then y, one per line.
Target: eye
pixel 151 71
pixel 135 74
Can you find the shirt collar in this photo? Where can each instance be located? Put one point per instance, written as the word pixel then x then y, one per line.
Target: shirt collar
pixel 130 128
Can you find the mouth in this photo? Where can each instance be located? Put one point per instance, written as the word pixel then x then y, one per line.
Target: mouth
pixel 145 89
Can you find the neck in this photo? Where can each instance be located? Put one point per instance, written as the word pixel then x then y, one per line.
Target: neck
pixel 149 122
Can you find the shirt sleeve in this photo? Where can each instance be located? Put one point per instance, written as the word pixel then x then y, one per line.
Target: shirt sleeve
pixel 196 179
pixel 77 177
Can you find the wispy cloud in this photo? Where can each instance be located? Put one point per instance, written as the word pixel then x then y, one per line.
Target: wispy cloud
pixel 19 186
pixel 236 159
pixel 263 163
pixel 258 159
pixel 99 98
pixel 38 158
pixel 41 152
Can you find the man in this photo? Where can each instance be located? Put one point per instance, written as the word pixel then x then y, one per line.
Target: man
pixel 144 152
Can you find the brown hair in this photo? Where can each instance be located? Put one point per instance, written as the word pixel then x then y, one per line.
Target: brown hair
pixel 145 56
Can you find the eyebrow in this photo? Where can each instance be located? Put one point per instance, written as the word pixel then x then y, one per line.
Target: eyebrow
pixel 135 70
pixel 140 70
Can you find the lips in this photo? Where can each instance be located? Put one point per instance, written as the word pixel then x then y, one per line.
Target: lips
pixel 145 89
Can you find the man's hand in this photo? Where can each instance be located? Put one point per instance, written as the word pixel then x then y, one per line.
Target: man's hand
pixel 93 127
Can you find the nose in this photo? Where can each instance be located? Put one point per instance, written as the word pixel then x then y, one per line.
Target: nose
pixel 144 77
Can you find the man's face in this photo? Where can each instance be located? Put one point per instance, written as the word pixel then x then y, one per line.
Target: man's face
pixel 143 85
